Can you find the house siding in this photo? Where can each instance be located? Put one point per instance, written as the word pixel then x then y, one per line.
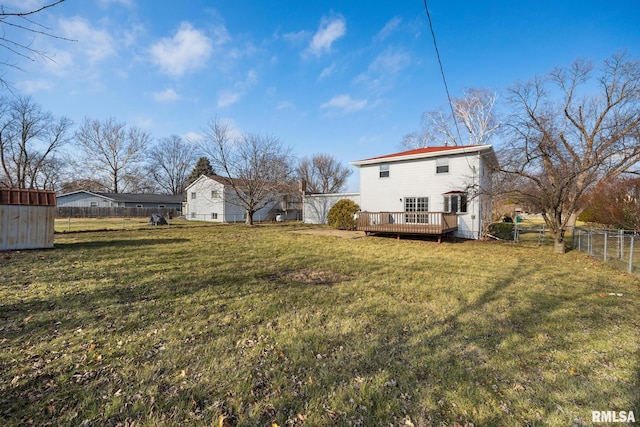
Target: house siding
pixel 204 205
pixel 418 178
pixel 84 200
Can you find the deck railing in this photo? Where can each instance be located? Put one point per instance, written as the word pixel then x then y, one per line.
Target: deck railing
pixel 435 223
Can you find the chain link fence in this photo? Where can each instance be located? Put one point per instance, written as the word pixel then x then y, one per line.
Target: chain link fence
pixel 620 248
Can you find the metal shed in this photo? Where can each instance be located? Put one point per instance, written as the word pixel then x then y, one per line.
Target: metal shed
pixel 27 218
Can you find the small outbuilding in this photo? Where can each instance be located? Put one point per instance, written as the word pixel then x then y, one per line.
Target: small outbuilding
pixel 27 218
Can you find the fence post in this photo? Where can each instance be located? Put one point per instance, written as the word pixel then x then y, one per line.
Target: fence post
pixel 590 243
pixel 580 240
pixel 631 254
pixel 606 237
pixel 621 244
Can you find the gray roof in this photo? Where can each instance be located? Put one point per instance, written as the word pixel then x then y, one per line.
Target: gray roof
pixel 133 198
pixel 143 198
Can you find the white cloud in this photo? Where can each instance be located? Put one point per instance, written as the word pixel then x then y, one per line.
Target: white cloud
pixel 345 103
pixel 95 44
pixel 390 62
pixel 61 61
pixel 34 86
pixel 227 98
pixel 330 30
pixel 327 71
pixel 285 105
pixel 384 69
pixel 297 38
pixel 193 137
pixel 22 5
pixel 230 97
pixel 187 50
pixel 167 95
pixel 388 29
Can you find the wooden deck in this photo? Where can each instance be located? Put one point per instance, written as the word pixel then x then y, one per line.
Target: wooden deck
pixel 426 223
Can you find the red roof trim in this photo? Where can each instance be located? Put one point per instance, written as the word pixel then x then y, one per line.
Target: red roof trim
pixel 427 150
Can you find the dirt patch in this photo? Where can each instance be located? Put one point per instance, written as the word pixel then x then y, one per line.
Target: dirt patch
pixel 310 276
pixel 346 234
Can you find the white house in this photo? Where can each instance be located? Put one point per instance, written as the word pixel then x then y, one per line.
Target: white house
pixel 450 182
pixel 212 198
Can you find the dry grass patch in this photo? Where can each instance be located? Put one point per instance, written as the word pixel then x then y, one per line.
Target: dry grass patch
pixel 183 326
pixel 310 276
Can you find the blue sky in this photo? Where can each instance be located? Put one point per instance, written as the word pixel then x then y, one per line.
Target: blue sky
pixel 348 78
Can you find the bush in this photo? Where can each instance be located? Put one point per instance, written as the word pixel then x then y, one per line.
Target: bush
pixel 342 215
pixel 502 230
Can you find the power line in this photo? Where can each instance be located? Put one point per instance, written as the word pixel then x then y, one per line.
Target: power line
pixel 446 88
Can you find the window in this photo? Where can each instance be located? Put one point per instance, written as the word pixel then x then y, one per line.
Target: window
pixel 384 170
pixel 161 206
pixel 214 194
pixel 138 206
pixel 94 204
pixel 442 165
pixel 214 215
pixel 418 206
pixel 455 203
pixel 193 195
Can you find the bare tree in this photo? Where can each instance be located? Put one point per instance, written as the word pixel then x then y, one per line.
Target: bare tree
pixel 257 167
pixel 569 130
pixel 170 161
pixel 323 173
pixel 113 153
pixel 29 139
pixel 15 23
pixel 473 112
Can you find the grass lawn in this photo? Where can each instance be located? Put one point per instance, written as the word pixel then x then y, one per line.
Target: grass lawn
pixel 189 325
pixel 70 225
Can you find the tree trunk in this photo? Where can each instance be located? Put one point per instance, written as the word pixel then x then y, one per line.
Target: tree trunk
pixel 249 220
pixel 558 242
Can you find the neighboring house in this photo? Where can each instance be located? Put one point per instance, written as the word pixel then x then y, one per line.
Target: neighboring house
pixel 88 199
pixel 434 190
pixel 212 198
pixel 315 207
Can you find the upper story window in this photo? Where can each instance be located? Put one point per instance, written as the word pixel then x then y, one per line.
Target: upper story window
pixel 193 195
pixel 384 170
pixel 442 165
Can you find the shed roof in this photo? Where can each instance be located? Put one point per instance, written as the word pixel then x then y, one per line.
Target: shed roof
pixel 23 196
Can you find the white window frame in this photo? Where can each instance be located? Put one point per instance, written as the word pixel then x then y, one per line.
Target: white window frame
pixel 461 203
pixel 442 165
pixel 416 210
pixel 193 195
pixel 384 170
